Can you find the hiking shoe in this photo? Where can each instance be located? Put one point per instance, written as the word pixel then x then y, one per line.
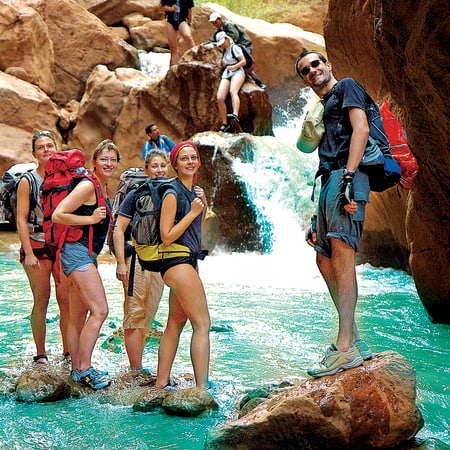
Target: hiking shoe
pixel 363 349
pixel 75 375
pixel 99 374
pixel 92 379
pixel 335 361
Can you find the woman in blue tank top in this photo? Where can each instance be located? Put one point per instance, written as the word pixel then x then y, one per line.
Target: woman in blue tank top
pixel 80 208
pixel 187 299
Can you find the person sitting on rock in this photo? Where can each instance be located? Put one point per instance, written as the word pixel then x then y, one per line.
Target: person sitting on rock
pixel 140 308
pixel 156 140
pixel 179 19
pixel 239 36
pixel 233 78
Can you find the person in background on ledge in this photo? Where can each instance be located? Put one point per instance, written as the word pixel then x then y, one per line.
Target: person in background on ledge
pixel 233 77
pixel 343 197
pixel 179 19
pixel 239 36
pixel 156 140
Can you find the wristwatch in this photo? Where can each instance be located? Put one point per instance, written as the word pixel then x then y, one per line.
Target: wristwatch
pixel 347 173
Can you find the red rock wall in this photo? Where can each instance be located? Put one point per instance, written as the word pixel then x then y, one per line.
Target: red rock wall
pixel 400 50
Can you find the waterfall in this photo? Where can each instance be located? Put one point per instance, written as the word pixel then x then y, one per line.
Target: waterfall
pixel 154 63
pixel 279 179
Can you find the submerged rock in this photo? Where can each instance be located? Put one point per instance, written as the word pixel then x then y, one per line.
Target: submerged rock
pixel 189 402
pixel 370 406
pixel 41 384
pixel 250 404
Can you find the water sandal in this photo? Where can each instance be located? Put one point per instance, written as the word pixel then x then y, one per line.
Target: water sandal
pixel 233 117
pixel 38 357
pixel 225 128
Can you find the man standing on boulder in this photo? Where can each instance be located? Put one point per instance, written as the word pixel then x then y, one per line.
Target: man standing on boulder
pixel 239 36
pixel 343 196
pixel 156 140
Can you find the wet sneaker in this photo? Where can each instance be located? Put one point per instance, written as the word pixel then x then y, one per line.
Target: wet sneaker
pixel 363 349
pixel 92 379
pixel 335 361
pixel 100 374
pixel 75 375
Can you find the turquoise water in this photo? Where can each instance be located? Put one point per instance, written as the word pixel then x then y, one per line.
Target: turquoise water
pixel 279 325
pixel 276 306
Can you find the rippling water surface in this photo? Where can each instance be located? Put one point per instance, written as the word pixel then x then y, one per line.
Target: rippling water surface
pixel 280 317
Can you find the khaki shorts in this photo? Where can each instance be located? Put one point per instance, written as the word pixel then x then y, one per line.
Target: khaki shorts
pixel 140 309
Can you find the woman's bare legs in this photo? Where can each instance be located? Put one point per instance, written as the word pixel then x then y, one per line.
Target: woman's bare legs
pixel 187 301
pixel 39 280
pixel 237 80
pixel 92 295
pixel 172 38
pixel 62 297
pixel 222 94
pixel 185 31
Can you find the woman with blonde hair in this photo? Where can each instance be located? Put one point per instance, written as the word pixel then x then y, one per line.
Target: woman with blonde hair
pixel 39 259
pixel 87 295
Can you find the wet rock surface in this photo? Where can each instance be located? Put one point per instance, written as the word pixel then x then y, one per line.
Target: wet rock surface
pixel 370 406
pixel 41 384
pixel 188 402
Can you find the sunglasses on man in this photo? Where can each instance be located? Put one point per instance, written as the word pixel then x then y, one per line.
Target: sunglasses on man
pixel 307 69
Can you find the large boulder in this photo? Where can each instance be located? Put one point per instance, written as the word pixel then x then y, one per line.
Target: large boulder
pixel 378 34
pixel 25 44
pixel 119 104
pixel 25 109
pixel 370 406
pixel 112 11
pixel 80 41
pixel 237 219
pixel 275 46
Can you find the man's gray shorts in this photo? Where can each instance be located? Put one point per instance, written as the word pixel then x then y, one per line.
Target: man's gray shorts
pixel 332 220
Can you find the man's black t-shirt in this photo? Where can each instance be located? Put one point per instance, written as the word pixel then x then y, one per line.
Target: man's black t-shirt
pixel 335 145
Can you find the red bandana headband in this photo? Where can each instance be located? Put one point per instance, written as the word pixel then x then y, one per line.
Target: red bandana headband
pixel 178 148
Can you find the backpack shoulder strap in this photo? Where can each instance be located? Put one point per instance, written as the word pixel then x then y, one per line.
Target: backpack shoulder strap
pixel 34 191
pixel 233 54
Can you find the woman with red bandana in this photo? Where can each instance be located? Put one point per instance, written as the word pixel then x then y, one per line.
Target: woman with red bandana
pixel 187 299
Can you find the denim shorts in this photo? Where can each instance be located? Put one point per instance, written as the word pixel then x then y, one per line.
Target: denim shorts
pixel 332 220
pixel 75 256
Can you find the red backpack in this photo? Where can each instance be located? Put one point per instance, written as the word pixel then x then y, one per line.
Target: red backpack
pixel 399 147
pixel 62 171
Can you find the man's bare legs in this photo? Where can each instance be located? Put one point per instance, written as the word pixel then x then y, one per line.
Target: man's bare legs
pixel 340 276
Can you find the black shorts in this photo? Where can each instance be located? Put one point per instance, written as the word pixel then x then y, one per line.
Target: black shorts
pixel 172 262
pixel 176 24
